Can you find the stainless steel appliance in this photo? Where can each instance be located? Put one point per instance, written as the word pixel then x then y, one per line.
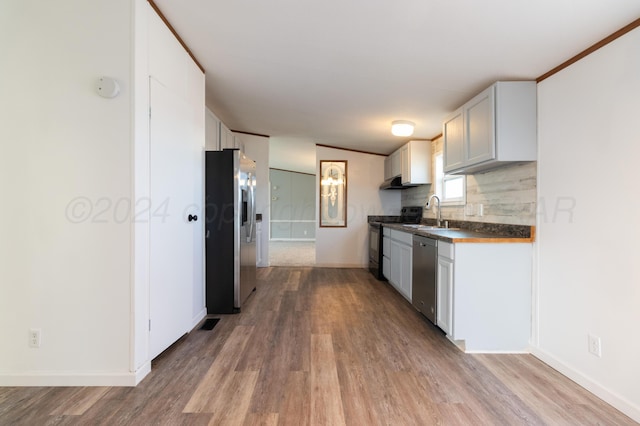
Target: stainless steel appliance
pixel 423 281
pixel 230 183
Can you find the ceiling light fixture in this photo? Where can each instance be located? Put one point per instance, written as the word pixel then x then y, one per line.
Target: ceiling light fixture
pixel 402 128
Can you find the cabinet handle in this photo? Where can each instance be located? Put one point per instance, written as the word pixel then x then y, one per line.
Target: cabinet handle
pixel 192 218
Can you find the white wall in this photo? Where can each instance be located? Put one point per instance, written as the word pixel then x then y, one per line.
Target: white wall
pixel 257 148
pixel 292 154
pixel 348 247
pixel 66 162
pixel 588 229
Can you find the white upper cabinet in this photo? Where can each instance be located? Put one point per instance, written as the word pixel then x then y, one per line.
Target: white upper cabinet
pixel 412 162
pixel 227 138
pixel 416 163
pixel 212 132
pixel 392 165
pixel 454 146
pixel 496 127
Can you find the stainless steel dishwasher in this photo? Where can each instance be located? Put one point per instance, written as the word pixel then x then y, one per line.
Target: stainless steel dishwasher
pixel 423 281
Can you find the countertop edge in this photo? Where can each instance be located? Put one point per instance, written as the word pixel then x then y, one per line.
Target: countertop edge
pixel 481 238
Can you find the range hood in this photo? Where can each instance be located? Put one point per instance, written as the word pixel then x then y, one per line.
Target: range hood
pixel 394 183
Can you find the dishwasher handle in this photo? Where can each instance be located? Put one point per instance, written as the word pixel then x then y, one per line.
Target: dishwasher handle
pixel 424 241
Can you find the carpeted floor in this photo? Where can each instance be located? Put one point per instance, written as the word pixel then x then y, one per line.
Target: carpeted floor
pixel 292 253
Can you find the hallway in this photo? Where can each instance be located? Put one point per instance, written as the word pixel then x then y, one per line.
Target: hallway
pixel 292 253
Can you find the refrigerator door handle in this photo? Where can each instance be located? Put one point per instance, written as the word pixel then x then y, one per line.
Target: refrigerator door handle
pixel 252 211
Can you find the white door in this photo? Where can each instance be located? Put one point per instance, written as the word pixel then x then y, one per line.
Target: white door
pixel 173 198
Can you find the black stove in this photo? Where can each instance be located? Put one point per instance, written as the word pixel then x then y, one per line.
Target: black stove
pixel 411 214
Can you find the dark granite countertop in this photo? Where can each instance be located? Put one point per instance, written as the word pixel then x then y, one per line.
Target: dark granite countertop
pixel 470 232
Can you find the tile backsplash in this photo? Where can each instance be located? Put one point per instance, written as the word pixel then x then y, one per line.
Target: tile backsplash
pixel 507 195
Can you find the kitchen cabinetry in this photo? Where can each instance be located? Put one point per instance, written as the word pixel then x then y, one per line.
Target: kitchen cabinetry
pixel 386 252
pixel 392 165
pixel 397 259
pixel 415 163
pixel 218 136
pixel 227 138
pixel 412 162
pixel 484 295
pixel 496 127
pixel 212 132
pixel 444 285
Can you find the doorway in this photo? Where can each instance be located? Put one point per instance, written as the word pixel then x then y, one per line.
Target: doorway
pixel 292 195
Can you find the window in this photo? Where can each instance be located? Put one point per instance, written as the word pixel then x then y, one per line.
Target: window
pixel 451 189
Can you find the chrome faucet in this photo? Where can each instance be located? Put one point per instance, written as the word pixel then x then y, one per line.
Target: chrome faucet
pixel 428 206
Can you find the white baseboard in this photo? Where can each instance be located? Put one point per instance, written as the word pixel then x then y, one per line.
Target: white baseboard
pixel 142 372
pixel 70 378
pixel 615 400
pixel 341 265
pixel 199 317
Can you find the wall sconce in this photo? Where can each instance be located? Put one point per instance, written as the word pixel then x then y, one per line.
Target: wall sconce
pixel 402 128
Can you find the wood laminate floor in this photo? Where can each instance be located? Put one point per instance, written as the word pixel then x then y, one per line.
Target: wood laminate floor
pixel 316 346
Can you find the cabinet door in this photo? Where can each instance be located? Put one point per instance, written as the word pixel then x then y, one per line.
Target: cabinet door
pixel 396 166
pixel 386 247
pixel 386 267
pixel 479 118
pixel 453 134
pixel 405 164
pixel 406 264
pixel 227 138
pixel 387 168
pixel 444 309
pixel 212 132
pixel 395 269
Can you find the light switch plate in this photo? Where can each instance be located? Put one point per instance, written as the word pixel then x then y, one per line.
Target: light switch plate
pixel 470 210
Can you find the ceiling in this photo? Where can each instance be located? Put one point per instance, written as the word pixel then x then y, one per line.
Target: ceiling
pixel 338 72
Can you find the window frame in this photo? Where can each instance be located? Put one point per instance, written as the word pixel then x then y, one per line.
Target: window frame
pixel 441 180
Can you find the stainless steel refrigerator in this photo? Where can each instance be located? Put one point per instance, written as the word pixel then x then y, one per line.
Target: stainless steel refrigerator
pixel 230 230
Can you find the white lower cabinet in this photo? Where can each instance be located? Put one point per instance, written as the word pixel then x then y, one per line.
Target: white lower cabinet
pixel 444 284
pixel 386 267
pixel 483 290
pixel 484 295
pixel 397 260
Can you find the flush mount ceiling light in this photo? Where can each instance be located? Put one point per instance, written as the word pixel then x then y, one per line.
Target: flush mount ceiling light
pixel 402 128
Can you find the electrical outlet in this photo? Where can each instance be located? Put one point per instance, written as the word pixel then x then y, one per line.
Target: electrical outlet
pixel 34 337
pixel 595 346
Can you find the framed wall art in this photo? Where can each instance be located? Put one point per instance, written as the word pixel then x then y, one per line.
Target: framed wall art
pixel 333 193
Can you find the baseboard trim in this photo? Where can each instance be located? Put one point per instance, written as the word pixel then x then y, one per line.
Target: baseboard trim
pixel 341 265
pixel 142 372
pixel 198 318
pixel 69 378
pixel 610 397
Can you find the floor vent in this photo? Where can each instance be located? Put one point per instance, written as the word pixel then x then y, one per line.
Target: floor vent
pixel 209 323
